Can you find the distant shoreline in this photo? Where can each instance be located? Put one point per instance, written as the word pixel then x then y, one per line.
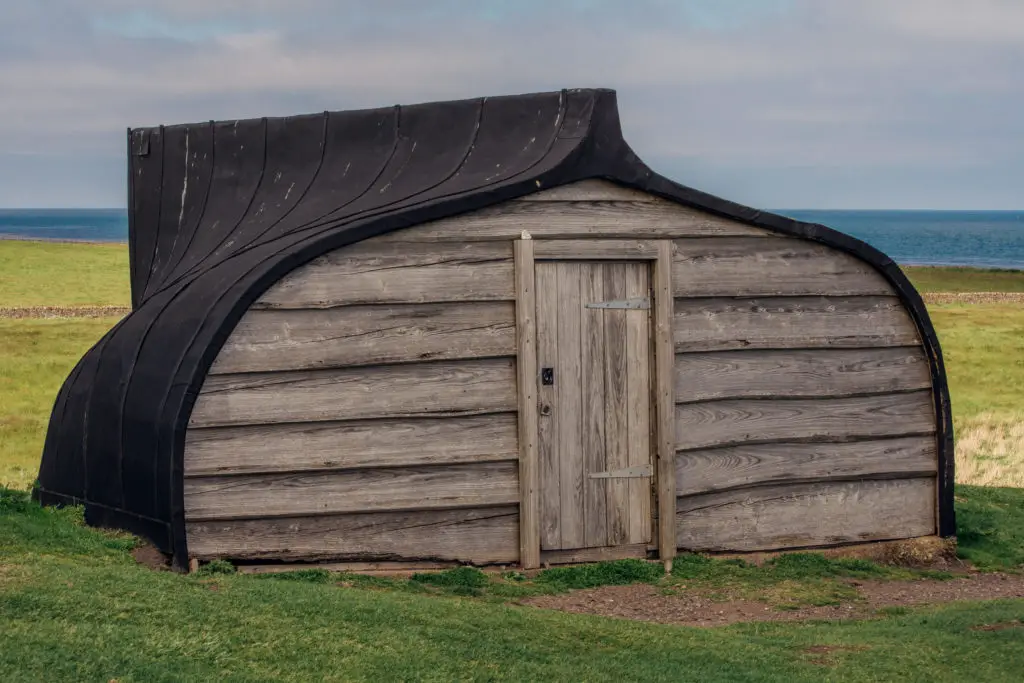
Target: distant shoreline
pixel 907 264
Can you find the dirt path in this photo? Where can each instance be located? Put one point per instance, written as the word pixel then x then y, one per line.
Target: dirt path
pixel 973 297
pixel 64 311
pixel 695 608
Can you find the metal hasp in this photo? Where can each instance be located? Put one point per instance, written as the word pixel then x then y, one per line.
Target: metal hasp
pixel 626 473
pixel 642 303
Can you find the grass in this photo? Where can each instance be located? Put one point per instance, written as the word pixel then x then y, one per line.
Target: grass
pixel 76 607
pixel 63 274
pixel 983 348
pixel 962 279
pixel 990 526
pixel 35 357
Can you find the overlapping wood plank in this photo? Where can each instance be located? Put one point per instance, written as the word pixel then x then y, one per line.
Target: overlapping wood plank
pixel 375 272
pixel 372 490
pixel 774 266
pixel 799 373
pixel 728 422
pixel 346 445
pixel 806 515
pixel 483 536
pixel 268 340
pixel 423 389
pixel 791 322
pixel 720 469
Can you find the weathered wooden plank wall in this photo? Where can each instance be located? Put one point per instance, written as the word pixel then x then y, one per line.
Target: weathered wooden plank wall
pixel 366 406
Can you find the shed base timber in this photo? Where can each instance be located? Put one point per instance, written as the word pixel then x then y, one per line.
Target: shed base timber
pixel 919 551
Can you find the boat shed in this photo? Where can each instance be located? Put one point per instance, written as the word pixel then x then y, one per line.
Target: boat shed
pixel 484 332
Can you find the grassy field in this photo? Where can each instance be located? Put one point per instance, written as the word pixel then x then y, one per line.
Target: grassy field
pixel 35 358
pixel 939 279
pixel 63 274
pixel 75 606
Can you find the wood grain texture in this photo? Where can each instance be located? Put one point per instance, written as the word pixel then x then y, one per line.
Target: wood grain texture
pixel 478 536
pixel 721 469
pixel 269 340
pixel 349 445
pixel 664 398
pixel 526 376
pixel 597 249
pixel 568 405
pixel 602 554
pixel 806 515
pixel 638 402
pixel 575 219
pixel 799 373
pixel 791 322
pixel 397 568
pixel 376 490
pixel 595 497
pixel 593 190
pixel 372 272
pixel 425 389
pixel 548 419
pixel 616 408
pixel 774 266
pixel 720 423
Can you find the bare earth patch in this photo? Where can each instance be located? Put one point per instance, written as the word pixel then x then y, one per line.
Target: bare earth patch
pixel 694 607
pixel 147 555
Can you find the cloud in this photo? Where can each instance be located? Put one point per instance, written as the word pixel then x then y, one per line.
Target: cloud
pixel 740 86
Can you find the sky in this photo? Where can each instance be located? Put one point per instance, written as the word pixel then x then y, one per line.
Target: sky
pixel 857 104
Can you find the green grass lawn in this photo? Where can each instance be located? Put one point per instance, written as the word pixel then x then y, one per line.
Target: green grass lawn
pixel 63 274
pixel 76 607
pixel 35 357
pixel 936 279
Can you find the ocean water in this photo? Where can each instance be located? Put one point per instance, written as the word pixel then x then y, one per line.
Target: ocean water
pixel 986 239
pixel 92 225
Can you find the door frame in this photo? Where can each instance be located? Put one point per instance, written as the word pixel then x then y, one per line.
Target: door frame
pixel 659 252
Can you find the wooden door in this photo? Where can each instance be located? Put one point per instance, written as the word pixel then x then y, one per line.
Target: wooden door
pixel 594 403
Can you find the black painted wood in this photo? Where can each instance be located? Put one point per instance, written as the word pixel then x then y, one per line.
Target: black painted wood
pixel 277 193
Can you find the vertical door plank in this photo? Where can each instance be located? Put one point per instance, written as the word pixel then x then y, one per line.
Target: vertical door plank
pixel 595 511
pixel 547 422
pixel 665 429
pixel 526 369
pixel 616 421
pixel 568 398
pixel 638 403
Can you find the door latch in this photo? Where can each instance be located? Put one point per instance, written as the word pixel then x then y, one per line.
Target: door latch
pixel 547 376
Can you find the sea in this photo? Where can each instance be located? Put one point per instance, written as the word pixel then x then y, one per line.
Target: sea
pixel 983 239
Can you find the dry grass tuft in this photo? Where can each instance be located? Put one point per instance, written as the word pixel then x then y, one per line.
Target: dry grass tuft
pixel 990 451
pixel 927 551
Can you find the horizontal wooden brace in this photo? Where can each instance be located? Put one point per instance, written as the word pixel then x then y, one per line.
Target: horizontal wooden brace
pixel 614 250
